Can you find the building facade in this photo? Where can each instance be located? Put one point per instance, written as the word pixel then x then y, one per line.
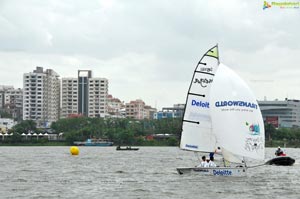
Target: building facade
pixel 139 110
pixel 41 96
pixel 11 101
pixel 285 113
pixel 116 108
pixel 69 97
pixel 170 112
pixel 6 124
pixel 84 95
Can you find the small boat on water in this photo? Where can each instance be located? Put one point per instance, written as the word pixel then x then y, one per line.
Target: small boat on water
pixel 94 142
pixel 281 161
pixel 127 148
pixel 221 111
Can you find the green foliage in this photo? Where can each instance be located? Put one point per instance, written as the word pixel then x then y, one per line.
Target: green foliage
pixel 120 131
pixel 132 132
pixel 172 141
pixel 4 114
pixel 282 136
pixel 25 127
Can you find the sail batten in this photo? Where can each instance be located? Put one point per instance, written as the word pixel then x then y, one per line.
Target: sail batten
pixel 196 94
pixel 204 73
pixel 191 121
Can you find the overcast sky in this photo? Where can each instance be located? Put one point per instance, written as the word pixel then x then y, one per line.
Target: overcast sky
pixel 149 49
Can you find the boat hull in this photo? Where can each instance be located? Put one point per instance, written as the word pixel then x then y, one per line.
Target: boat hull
pixel 281 161
pixel 93 143
pixel 124 149
pixel 214 171
pixel 99 144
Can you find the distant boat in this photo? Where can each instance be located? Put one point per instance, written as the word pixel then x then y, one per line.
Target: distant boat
pixel 221 111
pixel 127 148
pixel 94 142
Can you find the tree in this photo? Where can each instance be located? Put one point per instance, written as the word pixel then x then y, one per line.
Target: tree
pixel 25 127
pixel 4 114
pixel 269 131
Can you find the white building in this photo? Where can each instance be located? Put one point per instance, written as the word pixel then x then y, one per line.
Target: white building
pixel 69 100
pixel 41 96
pixel 84 95
pixel 116 108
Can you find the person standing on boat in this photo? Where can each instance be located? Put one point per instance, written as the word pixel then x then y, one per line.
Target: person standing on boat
pixel 203 163
pixel 279 152
pixel 217 151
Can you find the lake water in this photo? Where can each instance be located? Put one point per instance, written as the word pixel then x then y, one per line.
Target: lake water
pixel 103 172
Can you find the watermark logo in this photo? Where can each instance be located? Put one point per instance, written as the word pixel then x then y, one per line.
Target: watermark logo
pixel 266 5
pixel 281 4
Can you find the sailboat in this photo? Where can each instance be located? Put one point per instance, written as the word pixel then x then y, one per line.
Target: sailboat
pixel 221 112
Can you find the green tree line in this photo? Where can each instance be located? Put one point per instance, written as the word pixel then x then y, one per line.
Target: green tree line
pixel 132 132
pixel 120 131
pixel 289 137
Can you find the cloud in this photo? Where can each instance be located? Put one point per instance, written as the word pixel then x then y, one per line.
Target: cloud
pixel 149 50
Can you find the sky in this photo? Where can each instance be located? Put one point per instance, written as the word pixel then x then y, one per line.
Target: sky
pixel 149 49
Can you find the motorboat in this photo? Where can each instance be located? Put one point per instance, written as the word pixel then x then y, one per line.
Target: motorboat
pixel 127 148
pixel 281 161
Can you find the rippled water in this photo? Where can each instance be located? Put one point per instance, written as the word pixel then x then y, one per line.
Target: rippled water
pixel 103 172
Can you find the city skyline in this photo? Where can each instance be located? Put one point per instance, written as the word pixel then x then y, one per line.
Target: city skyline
pixel 148 50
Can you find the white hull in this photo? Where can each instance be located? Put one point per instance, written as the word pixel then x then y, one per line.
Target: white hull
pixel 214 171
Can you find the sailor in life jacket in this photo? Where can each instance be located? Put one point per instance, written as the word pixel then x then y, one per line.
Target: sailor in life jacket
pixel 279 152
pixel 217 151
pixel 211 162
pixel 203 163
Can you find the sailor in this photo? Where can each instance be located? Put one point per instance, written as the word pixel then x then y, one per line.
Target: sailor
pixel 203 163
pixel 278 152
pixel 208 161
pixel 211 162
pixel 217 151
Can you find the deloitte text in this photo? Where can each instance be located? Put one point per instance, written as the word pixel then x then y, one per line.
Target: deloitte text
pixel 222 172
pixel 200 104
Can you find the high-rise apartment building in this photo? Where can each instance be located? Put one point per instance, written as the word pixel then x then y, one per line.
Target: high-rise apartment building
pixel 69 105
pixel 84 95
pixel 41 96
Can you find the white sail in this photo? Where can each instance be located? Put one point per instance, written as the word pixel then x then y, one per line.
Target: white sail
pixel 236 117
pixel 230 157
pixel 196 128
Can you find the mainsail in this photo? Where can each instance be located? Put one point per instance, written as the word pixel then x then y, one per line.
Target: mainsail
pixel 196 128
pixel 236 117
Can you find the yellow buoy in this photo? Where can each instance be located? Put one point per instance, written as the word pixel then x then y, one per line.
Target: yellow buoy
pixel 74 150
